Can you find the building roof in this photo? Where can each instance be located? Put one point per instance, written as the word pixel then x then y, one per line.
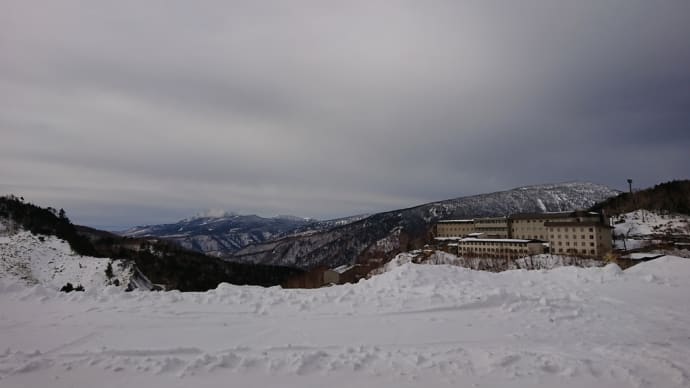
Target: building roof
pixel 484 219
pixel 500 240
pixel 343 268
pixel 455 221
pixel 552 215
pixel 573 223
pixel 540 216
pixel 642 256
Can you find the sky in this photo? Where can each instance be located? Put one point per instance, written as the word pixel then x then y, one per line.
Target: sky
pixel 141 112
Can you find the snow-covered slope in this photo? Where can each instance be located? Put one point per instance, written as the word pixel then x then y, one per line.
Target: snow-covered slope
pixel 50 262
pixel 645 224
pixel 643 227
pixel 386 234
pixel 414 326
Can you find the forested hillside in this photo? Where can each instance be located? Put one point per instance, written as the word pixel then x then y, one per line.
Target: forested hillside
pixel 673 197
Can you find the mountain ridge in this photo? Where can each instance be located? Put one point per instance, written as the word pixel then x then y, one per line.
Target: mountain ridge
pixel 220 236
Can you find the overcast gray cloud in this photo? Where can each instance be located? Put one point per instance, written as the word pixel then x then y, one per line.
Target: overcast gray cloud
pixel 133 112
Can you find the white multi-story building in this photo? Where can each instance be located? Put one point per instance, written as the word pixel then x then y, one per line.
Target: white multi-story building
pixel 582 233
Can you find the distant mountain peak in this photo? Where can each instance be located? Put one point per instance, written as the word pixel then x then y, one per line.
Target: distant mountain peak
pixel 213 213
pixel 290 217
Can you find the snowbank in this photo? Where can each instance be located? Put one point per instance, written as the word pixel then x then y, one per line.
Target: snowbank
pixel 415 325
pixel 543 261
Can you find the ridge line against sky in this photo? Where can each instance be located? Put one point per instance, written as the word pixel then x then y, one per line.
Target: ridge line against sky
pixel 140 112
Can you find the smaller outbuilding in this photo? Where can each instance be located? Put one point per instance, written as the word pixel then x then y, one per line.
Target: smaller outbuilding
pixel 340 275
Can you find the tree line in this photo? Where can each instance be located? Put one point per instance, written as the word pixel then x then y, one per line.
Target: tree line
pixel 673 197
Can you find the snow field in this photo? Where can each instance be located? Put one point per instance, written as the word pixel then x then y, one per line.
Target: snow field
pixel 414 325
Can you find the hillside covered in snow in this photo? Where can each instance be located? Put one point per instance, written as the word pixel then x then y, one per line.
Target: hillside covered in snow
pixel 644 228
pixel 643 224
pixel 413 326
pixel 51 263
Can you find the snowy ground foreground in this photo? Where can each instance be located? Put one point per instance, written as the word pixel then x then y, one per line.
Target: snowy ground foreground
pixel 49 261
pixel 416 325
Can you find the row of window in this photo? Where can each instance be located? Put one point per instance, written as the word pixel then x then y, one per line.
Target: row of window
pixel 490 222
pixel 494 250
pixel 483 243
pixel 567 243
pixel 581 229
pixel 591 236
pixel 583 251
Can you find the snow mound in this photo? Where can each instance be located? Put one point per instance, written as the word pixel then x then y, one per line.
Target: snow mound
pixel 669 267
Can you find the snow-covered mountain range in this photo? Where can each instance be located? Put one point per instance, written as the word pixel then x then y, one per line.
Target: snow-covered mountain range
pixel 386 234
pixel 224 233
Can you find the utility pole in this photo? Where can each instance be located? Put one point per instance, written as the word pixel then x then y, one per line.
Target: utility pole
pixel 633 199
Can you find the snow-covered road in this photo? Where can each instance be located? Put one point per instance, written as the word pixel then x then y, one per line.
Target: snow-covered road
pixel 417 325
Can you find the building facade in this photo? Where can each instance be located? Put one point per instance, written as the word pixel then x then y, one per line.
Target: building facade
pixel 532 225
pixel 580 238
pixel 454 228
pixel 499 248
pixel 495 227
